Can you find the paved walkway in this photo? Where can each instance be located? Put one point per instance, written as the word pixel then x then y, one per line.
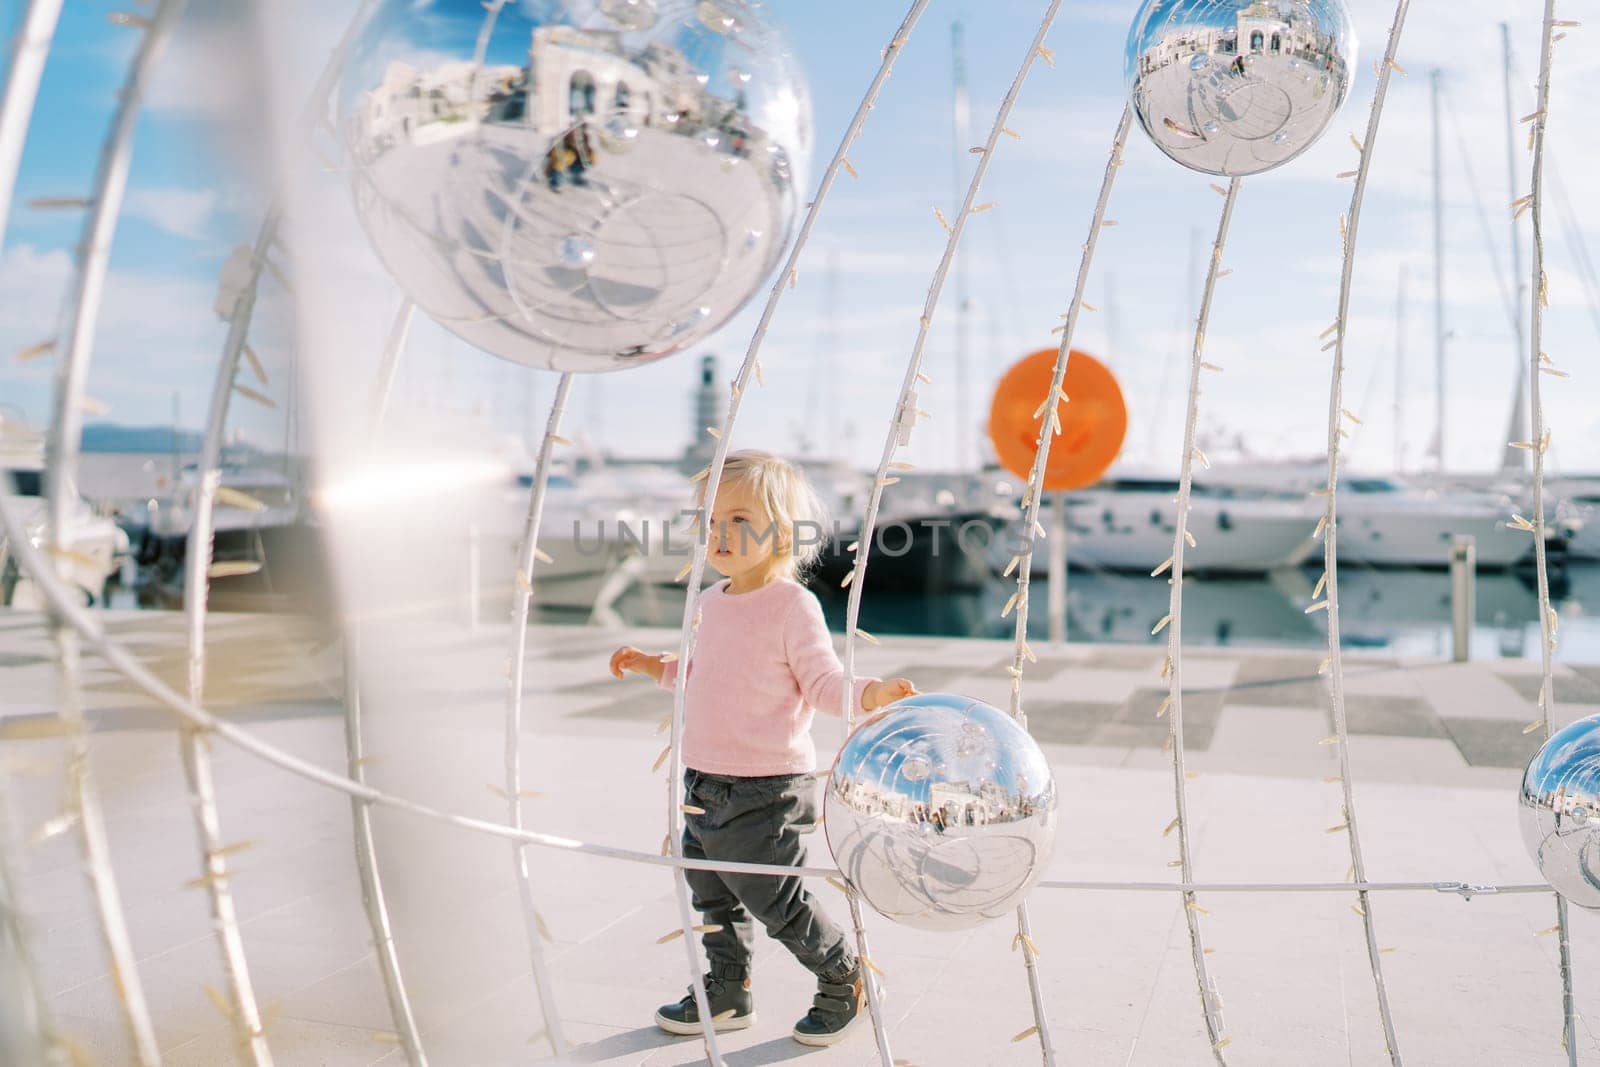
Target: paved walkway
pixel 1437 751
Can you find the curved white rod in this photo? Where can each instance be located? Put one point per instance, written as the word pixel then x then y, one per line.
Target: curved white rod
pixel 521 597
pixel 1538 363
pixel 80 314
pixel 27 1032
pixel 787 278
pixel 372 897
pixel 1210 1002
pixel 373 901
pixel 1034 495
pixel 904 414
pixel 246 1016
pixel 1336 413
pixel 30 47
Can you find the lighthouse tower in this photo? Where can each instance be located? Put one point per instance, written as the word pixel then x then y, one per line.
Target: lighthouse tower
pixel 710 407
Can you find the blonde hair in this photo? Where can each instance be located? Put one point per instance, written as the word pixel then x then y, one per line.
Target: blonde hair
pixel 783 491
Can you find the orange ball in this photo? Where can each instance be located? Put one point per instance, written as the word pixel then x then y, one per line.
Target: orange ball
pixel 1093 423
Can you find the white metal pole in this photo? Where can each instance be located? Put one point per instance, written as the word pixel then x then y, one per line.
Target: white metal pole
pixel 961 124
pixel 1514 459
pixel 1438 277
pixel 29 48
pixel 1400 372
pixel 1057 599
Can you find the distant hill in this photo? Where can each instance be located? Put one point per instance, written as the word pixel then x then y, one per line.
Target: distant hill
pixel 109 438
pixel 113 437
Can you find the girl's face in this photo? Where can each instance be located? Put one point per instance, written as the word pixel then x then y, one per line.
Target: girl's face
pixel 744 539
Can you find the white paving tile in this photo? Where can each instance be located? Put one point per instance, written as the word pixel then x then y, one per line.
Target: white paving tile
pixel 1469 981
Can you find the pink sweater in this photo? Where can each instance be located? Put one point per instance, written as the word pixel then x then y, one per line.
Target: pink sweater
pixel 763 664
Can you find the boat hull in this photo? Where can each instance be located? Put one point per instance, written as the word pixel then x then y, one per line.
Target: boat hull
pixel 1135 532
pixel 1383 539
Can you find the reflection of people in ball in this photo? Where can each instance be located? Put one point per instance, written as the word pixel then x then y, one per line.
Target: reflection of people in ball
pixel 570 157
pixel 556 162
pixel 762 666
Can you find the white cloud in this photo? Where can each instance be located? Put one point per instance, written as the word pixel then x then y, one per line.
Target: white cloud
pixel 1078 132
pixel 156 336
pixel 182 212
pixel 33 282
pixel 1020 260
pixel 1107 14
pixel 206 69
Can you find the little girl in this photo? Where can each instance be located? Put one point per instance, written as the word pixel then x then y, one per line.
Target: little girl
pixel 763 664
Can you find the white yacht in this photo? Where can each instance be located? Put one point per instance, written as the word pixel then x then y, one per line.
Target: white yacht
pixel 1583 540
pixel 605 529
pixel 252 498
pixel 95 545
pixel 1384 521
pixel 267 549
pixel 1126 523
pixel 1577 510
pixel 1390 521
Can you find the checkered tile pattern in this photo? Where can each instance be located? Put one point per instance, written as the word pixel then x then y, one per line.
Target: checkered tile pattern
pixel 1435 750
pixel 1106 696
pixel 1096 696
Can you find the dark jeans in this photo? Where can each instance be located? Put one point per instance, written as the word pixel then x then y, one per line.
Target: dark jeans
pixel 757 820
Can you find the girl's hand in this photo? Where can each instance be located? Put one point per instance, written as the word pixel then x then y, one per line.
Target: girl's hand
pixel 628 658
pixel 880 694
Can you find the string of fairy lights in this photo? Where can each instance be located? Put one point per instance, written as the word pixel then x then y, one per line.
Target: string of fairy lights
pixel 34 33
pixel 199 568
pixel 74 347
pixel 1172 665
pixel 1539 364
pixel 1049 429
pixel 1327 526
pixel 751 366
pixel 71 624
pixel 528 555
pixel 899 434
pixel 373 900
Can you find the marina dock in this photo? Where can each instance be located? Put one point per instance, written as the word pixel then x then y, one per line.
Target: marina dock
pixel 1437 749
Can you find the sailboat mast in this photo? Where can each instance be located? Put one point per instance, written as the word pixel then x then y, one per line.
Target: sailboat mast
pixel 817 433
pixel 1400 373
pixel 1514 459
pixel 961 116
pixel 1188 310
pixel 1438 277
pixel 830 358
pixel 1112 323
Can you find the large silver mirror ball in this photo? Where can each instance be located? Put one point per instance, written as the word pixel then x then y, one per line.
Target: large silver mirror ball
pixel 1560 806
pixel 1231 87
pixel 941 812
pixel 610 184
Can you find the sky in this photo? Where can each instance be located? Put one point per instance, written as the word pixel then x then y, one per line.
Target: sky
pixel 838 348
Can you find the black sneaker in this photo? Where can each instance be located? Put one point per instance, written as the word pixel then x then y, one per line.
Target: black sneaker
pixel 732 1008
pixel 834 1011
